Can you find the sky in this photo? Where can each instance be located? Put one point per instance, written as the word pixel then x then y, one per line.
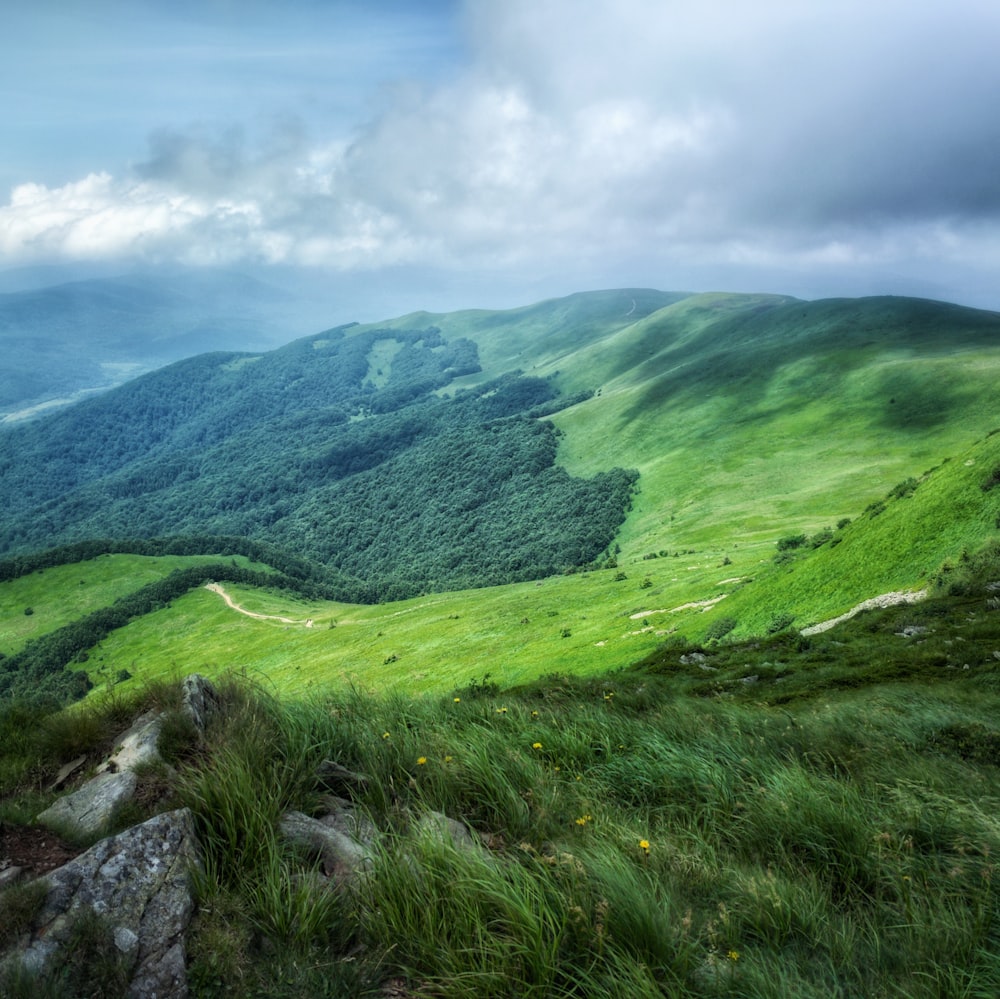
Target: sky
pixel 439 154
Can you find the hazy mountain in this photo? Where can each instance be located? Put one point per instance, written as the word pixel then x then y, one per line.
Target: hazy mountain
pixel 63 340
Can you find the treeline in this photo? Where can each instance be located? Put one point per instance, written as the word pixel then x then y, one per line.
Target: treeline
pixel 38 670
pixel 338 448
pixel 312 581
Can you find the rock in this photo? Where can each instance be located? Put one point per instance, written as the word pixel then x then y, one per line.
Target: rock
pixel 345 818
pixel 9 874
pixel 912 631
pixel 690 658
pixel 343 858
pixel 66 772
pixel 333 775
pixel 138 882
pixel 87 811
pixel 439 826
pixel 136 746
pixel 200 701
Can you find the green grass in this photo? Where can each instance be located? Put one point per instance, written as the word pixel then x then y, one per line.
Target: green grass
pixel 63 593
pixel 828 829
pixel 580 624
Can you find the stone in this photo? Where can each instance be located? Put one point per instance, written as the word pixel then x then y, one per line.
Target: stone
pixel 10 874
pixel 139 883
pixel 448 830
pixel 88 810
pixel 342 857
pixel 200 701
pixel 345 818
pixel 333 775
pixel 66 772
pixel 136 746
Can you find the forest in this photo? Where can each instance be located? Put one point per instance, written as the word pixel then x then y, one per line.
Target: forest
pixel 345 448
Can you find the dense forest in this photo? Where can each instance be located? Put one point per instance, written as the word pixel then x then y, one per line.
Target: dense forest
pixel 344 448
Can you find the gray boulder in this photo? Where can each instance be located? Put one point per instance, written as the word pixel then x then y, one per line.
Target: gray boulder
pixel 136 746
pixel 138 882
pixel 88 810
pixel 200 701
pixel 342 857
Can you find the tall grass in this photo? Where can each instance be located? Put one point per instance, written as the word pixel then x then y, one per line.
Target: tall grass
pixel 636 834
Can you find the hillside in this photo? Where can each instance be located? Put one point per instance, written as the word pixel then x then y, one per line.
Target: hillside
pixel 407 463
pixel 759 412
pixel 767 819
pixel 693 691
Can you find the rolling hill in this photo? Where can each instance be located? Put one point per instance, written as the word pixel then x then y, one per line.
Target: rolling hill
pixel 413 459
pixel 648 643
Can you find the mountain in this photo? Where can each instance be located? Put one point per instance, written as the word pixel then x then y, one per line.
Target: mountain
pixel 64 340
pixel 439 452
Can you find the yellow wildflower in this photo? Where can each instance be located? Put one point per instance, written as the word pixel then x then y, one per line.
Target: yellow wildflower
pixel 733 955
pixel 536 745
pixel 385 735
pixel 456 700
pixel 644 845
pixel 421 760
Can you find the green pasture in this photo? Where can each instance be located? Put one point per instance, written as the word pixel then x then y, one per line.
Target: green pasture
pixel 579 624
pixel 61 594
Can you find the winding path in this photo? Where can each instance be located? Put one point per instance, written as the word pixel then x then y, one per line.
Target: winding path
pixel 216 588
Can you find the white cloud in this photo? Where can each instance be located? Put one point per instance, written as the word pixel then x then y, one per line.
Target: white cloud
pixel 780 135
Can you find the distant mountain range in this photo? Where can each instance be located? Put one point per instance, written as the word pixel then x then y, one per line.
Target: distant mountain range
pixel 61 341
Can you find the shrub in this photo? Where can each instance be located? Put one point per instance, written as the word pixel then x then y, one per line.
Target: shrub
pixel 991 480
pixel 821 537
pixel 720 628
pixel 791 541
pixel 779 623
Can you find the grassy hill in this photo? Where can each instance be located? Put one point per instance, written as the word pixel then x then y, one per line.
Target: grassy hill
pixel 757 819
pixel 751 419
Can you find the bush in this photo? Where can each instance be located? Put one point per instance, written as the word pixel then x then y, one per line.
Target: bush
pixel 720 628
pixel 791 541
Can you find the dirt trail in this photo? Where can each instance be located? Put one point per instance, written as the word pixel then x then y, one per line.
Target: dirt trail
pixel 216 588
pixel 885 600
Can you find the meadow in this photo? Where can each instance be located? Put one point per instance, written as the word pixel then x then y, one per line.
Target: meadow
pixel 807 817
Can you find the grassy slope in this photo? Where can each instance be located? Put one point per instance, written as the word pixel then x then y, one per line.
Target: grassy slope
pixel 750 417
pixel 64 593
pixel 760 412
pixel 827 830
pixel 517 632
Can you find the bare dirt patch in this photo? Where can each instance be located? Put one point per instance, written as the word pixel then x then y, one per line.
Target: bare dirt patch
pixel 883 600
pixel 34 849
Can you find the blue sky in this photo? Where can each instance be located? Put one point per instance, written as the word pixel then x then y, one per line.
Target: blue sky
pixel 448 153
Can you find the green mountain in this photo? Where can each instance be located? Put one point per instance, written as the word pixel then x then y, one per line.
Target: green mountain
pixel 432 452
pixel 669 442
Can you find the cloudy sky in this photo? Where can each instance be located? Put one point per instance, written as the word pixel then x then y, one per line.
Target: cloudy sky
pixel 445 153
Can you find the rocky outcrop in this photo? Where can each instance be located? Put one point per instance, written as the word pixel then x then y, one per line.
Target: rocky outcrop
pixel 343 858
pixel 200 701
pixel 139 883
pixel 88 811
